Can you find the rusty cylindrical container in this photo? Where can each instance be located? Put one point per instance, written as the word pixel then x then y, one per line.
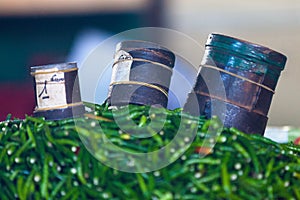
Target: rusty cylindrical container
pixel 141 74
pixel 249 73
pixel 57 91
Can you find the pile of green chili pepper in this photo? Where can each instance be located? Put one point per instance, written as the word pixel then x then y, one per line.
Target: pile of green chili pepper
pixel 49 160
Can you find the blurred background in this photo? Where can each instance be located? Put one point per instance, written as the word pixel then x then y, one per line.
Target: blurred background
pixel 34 32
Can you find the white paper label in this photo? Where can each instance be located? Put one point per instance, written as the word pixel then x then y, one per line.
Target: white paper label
pixel 50 90
pixel 121 69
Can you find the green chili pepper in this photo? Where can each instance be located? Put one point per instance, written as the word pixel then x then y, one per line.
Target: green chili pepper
pixel 269 168
pixel 142 184
pixel 241 150
pixel 31 136
pixel 20 183
pixel 48 160
pixel 27 188
pixel 44 184
pixel 251 152
pixel 224 174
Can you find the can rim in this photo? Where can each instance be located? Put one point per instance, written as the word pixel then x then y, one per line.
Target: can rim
pixel 137 44
pixel 247 48
pixel 56 66
pixel 148 49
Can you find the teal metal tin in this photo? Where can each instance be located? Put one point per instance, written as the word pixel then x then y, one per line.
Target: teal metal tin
pixel 247 50
pixel 249 72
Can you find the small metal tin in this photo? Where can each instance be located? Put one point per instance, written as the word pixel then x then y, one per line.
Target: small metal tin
pixel 57 91
pixel 141 74
pixel 249 73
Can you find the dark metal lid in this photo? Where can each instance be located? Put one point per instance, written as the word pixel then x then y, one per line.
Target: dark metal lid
pixel 248 49
pixel 147 50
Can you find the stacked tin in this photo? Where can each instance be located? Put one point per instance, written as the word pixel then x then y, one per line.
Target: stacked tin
pixel 57 92
pixel 141 74
pixel 249 73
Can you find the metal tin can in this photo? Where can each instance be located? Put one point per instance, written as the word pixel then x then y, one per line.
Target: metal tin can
pixel 57 91
pixel 141 74
pixel 249 73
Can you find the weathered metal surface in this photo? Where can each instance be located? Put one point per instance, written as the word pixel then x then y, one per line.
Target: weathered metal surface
pixel 249 73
